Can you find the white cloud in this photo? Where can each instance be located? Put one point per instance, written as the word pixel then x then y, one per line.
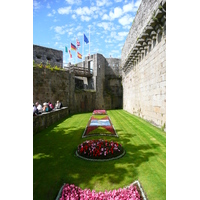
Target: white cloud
pixel 48 6
pixel 80 34
pixel 64 10
pixel 123 34
pixel 59 30
pixel 125 20
pixel 118 36
pixel 118 1
pixel 36 5
pixel 73 2
pixel 106 25
pixel 49 15
pixel 105 17
pixel 73 16
pixel 137 3
pixel 103 2
pixel 116 14
pixel 85 18
pixel 128 7
pixel 108 41
pixel 83 11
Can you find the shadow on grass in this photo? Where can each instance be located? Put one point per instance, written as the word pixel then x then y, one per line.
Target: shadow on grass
pixel 55 163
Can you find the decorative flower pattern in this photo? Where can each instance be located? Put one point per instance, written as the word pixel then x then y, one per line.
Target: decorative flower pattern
pixel 100 149
pixel 76 193
pixel 99 112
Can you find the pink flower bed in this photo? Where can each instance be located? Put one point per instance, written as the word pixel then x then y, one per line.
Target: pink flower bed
pixel 99 112
pixel 72 192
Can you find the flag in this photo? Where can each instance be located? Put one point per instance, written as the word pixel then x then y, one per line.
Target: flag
pixel 86 39
pixel 79 55
pixel 73 47
pixel 70 54
pixel 66 49
pixel 78 44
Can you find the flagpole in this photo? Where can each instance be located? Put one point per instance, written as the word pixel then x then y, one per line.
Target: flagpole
pixel 89 39
pixel 82 51
pixel 83 45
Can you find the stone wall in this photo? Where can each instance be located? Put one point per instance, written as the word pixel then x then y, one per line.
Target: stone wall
pixel 51 86
pixel 44 55
pixel 103 90
pixel 144 64
pixel 46 119
pixel 144 15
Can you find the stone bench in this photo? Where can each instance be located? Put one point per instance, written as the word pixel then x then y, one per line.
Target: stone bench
pixel 46 119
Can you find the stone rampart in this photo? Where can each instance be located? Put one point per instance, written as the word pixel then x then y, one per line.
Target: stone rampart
pixel 45 119
pixel 144 64
pixel 145 15
pixel 52 85
pixel 46 55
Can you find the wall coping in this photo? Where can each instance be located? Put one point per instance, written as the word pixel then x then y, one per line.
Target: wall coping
pixel 52 111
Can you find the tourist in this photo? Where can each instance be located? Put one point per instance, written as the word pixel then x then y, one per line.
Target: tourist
pixel 51 106
pixel 35 110
pixel 39 107
pixel 45 107
pixel 58 105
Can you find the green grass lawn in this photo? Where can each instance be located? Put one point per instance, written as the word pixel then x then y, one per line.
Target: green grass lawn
pixel 55 163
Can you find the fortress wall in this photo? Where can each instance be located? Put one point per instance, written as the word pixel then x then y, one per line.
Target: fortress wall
pixel 144 68
pixel 144 14
pixel 44 55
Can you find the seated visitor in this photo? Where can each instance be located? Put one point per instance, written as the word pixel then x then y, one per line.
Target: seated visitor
pixel 45 107
pixel 51 106
pixel 58 105
pixel 39 107
pixel 35 110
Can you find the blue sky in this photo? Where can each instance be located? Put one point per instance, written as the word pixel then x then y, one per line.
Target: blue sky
pixel 58 23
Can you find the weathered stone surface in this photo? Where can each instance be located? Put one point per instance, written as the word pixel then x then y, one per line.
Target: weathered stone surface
pixel 44 55
pixel 144 86
pixel 44 120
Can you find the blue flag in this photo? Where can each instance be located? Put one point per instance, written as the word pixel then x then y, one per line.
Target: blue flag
pixel 86 39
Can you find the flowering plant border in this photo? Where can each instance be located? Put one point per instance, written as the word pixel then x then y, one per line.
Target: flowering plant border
pixel 135 185
pixel 100 150
pixel 89 128
pixel 99 112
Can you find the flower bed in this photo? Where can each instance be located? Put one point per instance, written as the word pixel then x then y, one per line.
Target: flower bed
pixel 99 112
pixel 70 191
pixel 99 126
pixel 100 150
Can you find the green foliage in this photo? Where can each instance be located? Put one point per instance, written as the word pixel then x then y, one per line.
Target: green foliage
pixel 56 68
pixel 48 65
pixel 34 64
pixel 163 127
pixel 40 65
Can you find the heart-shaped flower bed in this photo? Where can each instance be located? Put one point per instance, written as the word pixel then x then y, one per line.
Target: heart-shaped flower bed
pixel 100 150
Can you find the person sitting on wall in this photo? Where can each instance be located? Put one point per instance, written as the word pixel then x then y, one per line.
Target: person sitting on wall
pixel 45 107
pixel 35 110
pixel 39 107
pixel 51 106
pixel 58 105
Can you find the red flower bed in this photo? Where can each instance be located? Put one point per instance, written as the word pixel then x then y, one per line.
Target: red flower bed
pixel 100 149
pixel 76 193
pixel 99 112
